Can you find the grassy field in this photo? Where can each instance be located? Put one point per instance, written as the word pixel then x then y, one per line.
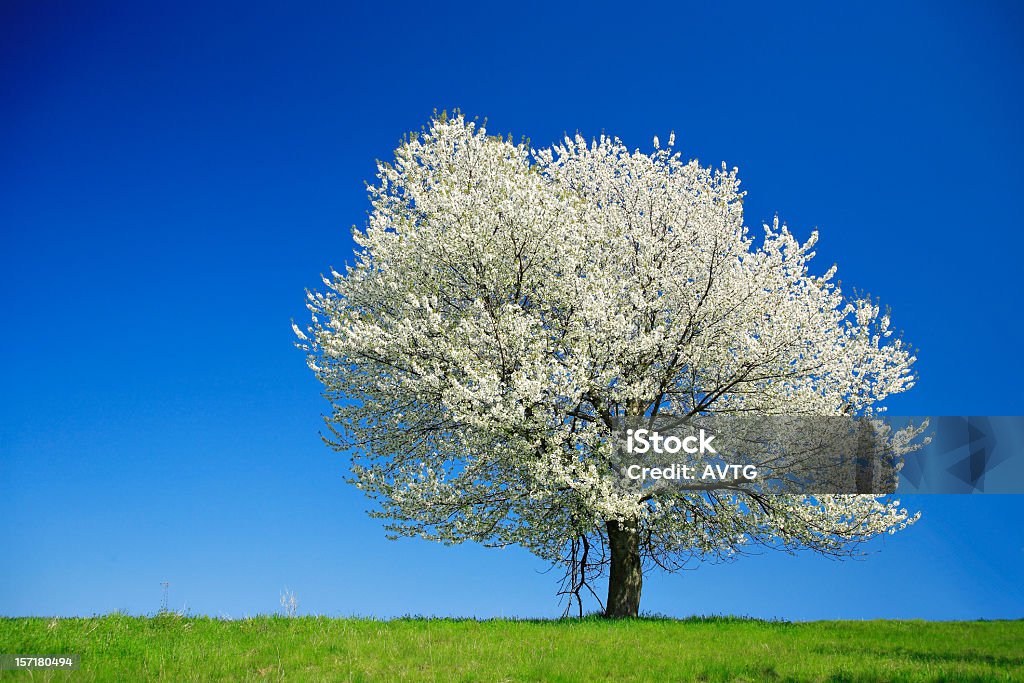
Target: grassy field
pixel 176 648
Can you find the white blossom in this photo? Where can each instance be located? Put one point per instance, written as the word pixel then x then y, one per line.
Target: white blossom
pixel 507 304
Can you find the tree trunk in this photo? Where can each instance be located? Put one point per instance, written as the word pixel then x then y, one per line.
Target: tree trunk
pixel 626 577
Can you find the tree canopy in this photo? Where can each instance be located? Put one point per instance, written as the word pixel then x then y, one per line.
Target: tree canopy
pixel 508 305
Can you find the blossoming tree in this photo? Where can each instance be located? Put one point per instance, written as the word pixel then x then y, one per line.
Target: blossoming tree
pixel 507 306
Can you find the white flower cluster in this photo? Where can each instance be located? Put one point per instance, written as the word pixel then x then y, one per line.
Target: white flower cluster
pixel 508 305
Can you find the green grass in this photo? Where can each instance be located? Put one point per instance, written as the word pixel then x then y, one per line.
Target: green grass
pixel 176 648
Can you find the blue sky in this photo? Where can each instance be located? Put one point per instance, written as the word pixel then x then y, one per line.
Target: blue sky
pixel 173 175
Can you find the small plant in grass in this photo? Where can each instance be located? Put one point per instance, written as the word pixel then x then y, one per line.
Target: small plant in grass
pixel 289 603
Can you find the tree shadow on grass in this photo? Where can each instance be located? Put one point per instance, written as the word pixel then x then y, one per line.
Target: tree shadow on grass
pixel 594 617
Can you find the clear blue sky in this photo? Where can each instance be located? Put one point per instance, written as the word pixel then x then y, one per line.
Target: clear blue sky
pixel 173 175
